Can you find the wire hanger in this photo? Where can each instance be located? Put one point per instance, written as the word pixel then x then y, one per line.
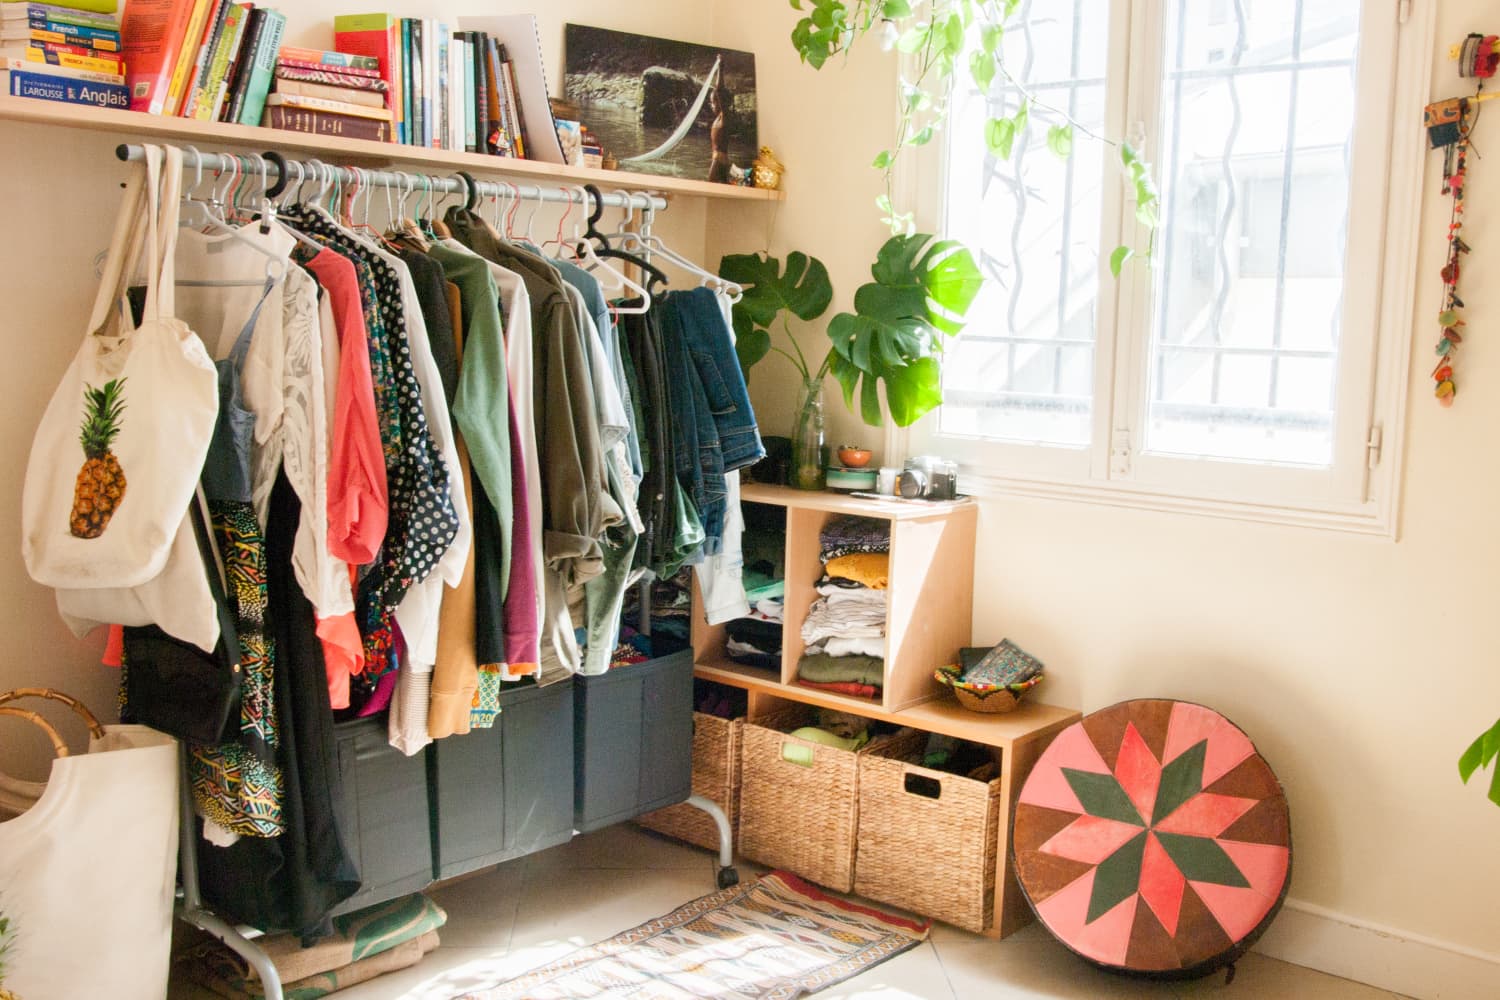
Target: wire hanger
pixel 650 244
pixel 215 221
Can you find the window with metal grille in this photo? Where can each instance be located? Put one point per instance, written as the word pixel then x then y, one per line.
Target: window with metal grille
pixel 1253 361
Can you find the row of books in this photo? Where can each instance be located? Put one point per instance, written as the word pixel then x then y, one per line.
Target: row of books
pixel 70 50
pixel 211 60
pixel 478 86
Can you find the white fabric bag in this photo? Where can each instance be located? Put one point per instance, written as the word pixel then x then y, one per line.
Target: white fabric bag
pixel 121 444
pixel 87 873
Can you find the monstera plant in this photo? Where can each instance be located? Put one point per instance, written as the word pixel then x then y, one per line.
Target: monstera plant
pixel 1481 754
pixel 921 291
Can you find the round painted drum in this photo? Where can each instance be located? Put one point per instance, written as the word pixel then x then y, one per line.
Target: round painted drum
pixel 1152 839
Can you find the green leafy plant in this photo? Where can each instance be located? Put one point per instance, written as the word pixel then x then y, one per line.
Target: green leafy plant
pixel 921 291
pixel 7 939
pixel 1481 754
pixel 938 36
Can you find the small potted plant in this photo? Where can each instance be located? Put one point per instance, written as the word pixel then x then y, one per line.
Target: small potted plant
pixel 894 338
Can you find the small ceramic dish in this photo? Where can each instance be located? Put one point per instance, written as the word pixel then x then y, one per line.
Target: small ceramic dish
pixel 854 458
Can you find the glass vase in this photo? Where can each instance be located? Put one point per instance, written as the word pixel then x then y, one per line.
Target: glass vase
pixel 808 456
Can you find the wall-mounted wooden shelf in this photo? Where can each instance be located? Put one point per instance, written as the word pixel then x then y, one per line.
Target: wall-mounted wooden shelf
pixel 361 152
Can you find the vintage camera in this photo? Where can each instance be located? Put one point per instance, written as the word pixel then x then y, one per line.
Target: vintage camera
pixel 928 477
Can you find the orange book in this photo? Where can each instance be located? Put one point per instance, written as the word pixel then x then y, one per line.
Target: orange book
pixel 187 56
pixel 152 32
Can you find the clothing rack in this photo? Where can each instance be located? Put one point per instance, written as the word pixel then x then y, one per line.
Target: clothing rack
pixel 277 171
pixel 276 168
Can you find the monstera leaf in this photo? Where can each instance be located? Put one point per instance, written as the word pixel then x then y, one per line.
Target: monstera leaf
pixel 921 294
pixel 803 290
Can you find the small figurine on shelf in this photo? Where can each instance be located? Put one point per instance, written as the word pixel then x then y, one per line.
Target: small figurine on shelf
pixel 768 170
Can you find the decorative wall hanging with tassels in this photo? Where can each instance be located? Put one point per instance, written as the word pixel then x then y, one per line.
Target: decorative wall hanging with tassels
pixel 1450 127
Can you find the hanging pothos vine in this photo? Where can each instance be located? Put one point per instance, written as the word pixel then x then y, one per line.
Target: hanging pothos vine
pixel 936 35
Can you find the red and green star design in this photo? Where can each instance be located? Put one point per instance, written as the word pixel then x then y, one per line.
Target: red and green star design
pixel 1152 837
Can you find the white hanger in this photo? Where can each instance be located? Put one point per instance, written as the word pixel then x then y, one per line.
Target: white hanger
pixel 648 243
pixel 214 220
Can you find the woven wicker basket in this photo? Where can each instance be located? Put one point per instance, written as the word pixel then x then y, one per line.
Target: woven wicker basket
pixel 936 856
pixel 801 817
pixel 716 776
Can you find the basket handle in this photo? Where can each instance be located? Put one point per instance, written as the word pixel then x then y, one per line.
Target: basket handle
pixel 59 746
pixel 96 730
pixel 923 785
pixel 797 753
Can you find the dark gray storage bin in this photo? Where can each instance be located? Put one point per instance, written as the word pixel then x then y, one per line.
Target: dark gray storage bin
pixel 500 793
pixel 633 732
pixel 382 813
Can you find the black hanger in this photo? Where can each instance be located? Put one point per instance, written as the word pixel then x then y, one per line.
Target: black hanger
pixel 279 161
pixel 654 275
pixel 471 188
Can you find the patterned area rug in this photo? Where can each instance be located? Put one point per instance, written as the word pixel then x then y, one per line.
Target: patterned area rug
pixel 777 938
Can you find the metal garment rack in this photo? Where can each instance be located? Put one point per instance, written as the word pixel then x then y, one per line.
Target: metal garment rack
pixel 277 171
pixel 273 167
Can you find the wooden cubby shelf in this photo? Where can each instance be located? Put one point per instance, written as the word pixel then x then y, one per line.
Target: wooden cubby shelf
pixel 358 152
pixel 929 619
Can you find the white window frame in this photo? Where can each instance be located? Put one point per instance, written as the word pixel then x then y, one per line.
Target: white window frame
pixel 1360 492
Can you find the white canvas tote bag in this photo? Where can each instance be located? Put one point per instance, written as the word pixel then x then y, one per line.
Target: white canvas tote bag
pixel 121 444
pixel 87 873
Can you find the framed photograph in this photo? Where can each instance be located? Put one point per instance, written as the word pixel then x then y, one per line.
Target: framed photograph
pixel 664 107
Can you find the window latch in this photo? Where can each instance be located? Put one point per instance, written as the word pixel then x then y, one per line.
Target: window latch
pixel 1119 454
pixel 1372 447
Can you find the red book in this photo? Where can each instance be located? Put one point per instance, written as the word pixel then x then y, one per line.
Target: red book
pixel 377 36
pixel 151 33
pixel 373 74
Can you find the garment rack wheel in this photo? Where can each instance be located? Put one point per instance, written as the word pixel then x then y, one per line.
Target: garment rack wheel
pixel 727 875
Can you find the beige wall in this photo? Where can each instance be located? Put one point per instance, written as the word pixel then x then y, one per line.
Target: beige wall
pixel 1362 668
pixel 59 193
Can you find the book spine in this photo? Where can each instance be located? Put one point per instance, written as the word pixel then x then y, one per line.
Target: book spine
pixel 68 58
pixel 282 100
pixel 260 72
pixel 418 84
pixel 243 65
pixel 512 95
pixel 324 123
pixel 330 79
pixel 44 69
pixel 187 51
pixel 56 88
pixel 471 97
pixel 41 12
pixel 371 35
pixel 440 47
pixel 73 34
pixel 429 83
pixel 405 118
pixel 236 63
pixel 152 32
pixel 97 7
pixel 302 88
pixel 481 95
pixel 349 62
pixel 497 138
pixel 62 48
pixel 211 92
pixel 198 73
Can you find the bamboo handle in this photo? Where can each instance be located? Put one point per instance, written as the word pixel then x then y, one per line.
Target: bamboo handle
pixel 95 729
pixel 58 745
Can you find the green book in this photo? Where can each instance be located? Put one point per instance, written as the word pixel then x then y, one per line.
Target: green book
pixel 263 68
pixel 95 6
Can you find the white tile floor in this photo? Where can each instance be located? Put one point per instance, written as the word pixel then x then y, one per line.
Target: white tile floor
pixel 536 909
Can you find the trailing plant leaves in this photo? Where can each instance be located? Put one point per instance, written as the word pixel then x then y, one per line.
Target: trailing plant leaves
pixel 1060 140
pixel 1480 753
pixel 1000 136
pixel 921 293
pixel 894 9
pixel 1118 258
pixel 989 38
pixel 982 68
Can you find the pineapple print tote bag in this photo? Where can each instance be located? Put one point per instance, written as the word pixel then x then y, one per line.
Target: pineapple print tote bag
pixel 117 455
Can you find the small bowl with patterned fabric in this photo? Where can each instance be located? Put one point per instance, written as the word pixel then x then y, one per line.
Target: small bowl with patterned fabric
pixel 994 680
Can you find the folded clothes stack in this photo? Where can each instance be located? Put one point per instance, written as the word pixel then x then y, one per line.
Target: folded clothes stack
pixel 754 641
pixel 844 631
